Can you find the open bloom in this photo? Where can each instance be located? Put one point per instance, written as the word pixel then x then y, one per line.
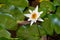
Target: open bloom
pixel 34 15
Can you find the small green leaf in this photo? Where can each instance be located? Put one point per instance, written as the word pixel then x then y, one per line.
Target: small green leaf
pixel 58 12
pixel 7 20
pixel 4 33
pixel 19 3
pixel 46 25
pixel 42 30
pixel 55 23
pixel 56 2
pixel 28 32
pixel 17 13
pixel 47 6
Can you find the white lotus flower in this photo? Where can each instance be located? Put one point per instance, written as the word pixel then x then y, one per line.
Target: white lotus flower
pixel 34 16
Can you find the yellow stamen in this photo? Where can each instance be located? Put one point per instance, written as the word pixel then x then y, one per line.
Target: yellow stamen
pixel 34 15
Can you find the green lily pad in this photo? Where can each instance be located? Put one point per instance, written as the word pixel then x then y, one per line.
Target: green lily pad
pixel 4 33
pixel 55 23
pixel 56 2
pixel 28 32
pixel 58 12
pixel 47 5
pixel 46 25
pixel 7 20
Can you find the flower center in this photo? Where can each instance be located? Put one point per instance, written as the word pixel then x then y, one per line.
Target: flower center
pixel 34 15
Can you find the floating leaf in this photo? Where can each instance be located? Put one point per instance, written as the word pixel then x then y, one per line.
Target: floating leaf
pixel 4 33
pixel 48 5
pixel 56 2
pixel 7 20
pixel 28 33
pixel 58 12
pixel 46 25
pixel 55 23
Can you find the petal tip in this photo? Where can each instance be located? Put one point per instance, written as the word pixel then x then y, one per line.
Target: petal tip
pixel 41 12
pixel 36 9
pixel 30 11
